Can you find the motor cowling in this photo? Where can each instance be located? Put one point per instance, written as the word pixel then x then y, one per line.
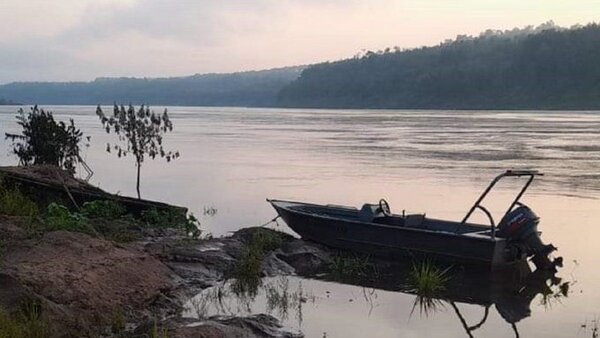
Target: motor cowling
pixel 520 228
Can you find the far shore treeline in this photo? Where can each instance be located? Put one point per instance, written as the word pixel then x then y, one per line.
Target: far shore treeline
pixel 545 67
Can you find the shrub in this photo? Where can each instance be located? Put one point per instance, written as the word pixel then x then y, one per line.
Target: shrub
pixel 172 219
pixel 60 218
pixel 103 209
pixel 45 141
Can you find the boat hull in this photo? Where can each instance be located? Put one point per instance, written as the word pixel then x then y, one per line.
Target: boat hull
pixel 393 242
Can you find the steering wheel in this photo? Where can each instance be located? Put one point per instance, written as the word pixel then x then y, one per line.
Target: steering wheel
pixel 385 207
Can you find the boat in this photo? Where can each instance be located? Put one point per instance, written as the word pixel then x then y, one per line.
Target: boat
pixel 375 230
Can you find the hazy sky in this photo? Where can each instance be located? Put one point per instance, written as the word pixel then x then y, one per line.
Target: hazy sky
pixel 84 39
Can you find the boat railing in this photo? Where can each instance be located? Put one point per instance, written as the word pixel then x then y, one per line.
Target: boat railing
pixel 509 173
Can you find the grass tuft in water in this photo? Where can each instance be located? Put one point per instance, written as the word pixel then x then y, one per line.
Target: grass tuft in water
pixel 427 279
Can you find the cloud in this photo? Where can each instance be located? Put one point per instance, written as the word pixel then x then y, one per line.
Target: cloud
pixel 83 39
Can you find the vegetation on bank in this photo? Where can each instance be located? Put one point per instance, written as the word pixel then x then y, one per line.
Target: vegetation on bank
pixel 543 68
pixel 5 102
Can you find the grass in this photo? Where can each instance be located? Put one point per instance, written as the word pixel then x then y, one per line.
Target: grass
pixel 14 203
pixel 155 332
pixel 352 267
pixel 2 250
pixel 247 273
pixel 27 324
pixel 117 325
pixel 427 279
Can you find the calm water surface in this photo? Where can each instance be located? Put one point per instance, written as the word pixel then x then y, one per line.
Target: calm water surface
pixel 422 161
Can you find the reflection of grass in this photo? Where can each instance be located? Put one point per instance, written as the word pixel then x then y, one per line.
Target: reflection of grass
pixel 350 267
pixel 427 305
pixel 427 279
pixel 281 299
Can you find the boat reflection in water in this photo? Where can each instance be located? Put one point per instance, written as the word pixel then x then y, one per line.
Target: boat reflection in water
pixel 510 292
pixel 291 298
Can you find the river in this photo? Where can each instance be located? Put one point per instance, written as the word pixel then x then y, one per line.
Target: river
pixel 437 162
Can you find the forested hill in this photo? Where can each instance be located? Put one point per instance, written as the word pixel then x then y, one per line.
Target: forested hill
pixel 253 88
pixel 543 68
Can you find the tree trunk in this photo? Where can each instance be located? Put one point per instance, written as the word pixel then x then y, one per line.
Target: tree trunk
pixel 137 186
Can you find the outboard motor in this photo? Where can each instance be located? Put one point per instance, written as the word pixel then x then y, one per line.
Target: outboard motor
pixel 520 228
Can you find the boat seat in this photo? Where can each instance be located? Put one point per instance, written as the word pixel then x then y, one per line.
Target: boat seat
pixel 369 213
pixel 414 221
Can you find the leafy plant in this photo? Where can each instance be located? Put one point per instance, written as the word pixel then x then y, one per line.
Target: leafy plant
pixel 60 218
pixel 140 133
pixel 45 141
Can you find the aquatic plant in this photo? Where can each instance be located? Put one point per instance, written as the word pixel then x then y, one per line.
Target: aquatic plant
pixel 345 266
pixel 141 133
pixel 426 279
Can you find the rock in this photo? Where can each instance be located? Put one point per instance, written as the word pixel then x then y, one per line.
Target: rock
pixel 256 326
pixel 306 258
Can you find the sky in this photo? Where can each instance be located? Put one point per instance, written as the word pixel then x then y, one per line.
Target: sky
pixel 79 40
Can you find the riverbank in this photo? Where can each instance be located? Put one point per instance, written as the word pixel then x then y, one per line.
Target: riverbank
pixel 113 274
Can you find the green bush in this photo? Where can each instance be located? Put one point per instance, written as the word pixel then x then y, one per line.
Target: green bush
pixel 103 209
pixel 172 219
pixel 60 218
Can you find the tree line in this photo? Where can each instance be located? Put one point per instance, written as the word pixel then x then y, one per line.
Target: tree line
pixel 533 68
